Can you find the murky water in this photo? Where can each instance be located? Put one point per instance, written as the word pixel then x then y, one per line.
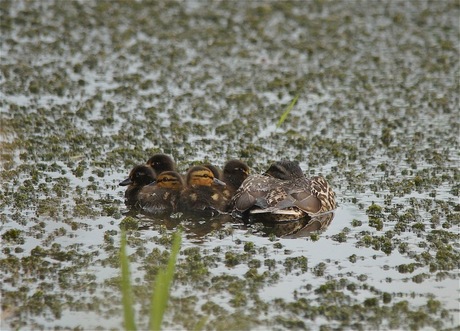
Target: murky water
pixel 89 89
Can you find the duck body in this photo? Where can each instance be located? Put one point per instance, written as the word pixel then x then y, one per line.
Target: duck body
pixel 139 177
pixel 283 193
pixel 161 196
pixel 202 195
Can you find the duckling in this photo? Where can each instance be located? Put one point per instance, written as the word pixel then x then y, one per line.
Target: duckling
pixel 139 177
pixel 215 170
pixel 160 197
pixel 283 193
pixel 235 172
pixel 160 163
pixel 202 195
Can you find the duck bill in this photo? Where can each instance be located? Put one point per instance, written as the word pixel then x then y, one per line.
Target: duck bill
pixel 127 181
pixel 152 183
pixel 218 182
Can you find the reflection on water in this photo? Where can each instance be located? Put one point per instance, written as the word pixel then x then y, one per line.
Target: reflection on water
pixel 299 228
pixel 199 226
pixel 195 226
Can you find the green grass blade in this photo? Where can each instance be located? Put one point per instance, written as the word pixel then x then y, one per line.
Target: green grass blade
pixel 126 286
pixel 162 286
pixel 287 111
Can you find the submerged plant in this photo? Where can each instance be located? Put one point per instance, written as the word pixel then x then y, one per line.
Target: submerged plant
pixel 160 296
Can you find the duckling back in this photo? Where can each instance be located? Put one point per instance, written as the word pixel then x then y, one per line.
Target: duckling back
pixel 162 196
pixel 202 195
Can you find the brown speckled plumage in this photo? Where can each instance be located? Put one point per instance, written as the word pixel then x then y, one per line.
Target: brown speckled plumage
pixel 202 195
pixel 162 196
pixel 283 193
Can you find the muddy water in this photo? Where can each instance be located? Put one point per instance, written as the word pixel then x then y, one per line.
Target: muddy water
pixel 89 89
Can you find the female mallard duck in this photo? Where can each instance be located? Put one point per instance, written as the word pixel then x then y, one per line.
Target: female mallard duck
pixel 160 197
pixel 235 172
pixel 160 163
pixel 138 178
pixel 202 195
pixel 283 193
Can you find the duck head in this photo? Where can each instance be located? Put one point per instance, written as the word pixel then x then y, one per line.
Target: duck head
pixel 202 176
pixel 161 162
pixel 235 172
pixel 140 175
pixel 285 170
pixel 171 180
pixel 215 170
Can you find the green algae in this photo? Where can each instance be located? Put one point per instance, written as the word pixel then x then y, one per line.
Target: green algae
pixel 13 236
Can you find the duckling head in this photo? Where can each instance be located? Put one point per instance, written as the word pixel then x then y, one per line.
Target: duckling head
pixel 161 162
pixel 202 176
pixel 171 180
pixel 215 170
pixel 235 172
pixel 140 175
pixel 285 170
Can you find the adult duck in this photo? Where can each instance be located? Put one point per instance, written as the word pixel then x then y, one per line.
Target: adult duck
pixel 282 193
